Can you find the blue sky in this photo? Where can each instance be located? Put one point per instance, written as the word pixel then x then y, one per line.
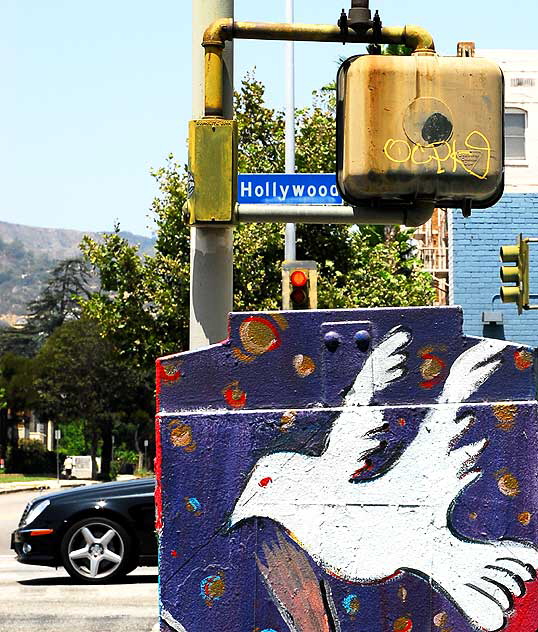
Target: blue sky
pixel 96 93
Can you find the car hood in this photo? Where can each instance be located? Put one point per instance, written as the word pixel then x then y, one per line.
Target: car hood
pixel 103 490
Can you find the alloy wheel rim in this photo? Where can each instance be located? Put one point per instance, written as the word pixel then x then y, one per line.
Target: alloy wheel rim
pixel 95 550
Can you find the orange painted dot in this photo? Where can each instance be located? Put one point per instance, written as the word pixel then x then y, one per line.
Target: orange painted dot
pixel 401 422
pixel 523 360
pixel 440 619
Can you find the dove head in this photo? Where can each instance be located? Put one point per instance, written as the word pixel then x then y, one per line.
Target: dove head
pixel 268 487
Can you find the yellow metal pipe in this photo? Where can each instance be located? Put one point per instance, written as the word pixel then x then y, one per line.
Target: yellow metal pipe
pixel 214 68
pixel 220 31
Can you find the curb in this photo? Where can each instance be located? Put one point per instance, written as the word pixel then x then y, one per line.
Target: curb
pixel 12 488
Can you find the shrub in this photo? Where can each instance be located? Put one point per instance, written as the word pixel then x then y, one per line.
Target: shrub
pixel 30 457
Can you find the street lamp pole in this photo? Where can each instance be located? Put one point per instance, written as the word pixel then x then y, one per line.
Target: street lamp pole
pixel 290 238
pixel 211 287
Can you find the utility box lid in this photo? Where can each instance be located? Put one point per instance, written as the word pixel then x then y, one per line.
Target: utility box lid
pixel 421 127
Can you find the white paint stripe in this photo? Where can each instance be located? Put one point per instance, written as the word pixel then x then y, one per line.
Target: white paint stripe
pixel 320 409
pixel 169 619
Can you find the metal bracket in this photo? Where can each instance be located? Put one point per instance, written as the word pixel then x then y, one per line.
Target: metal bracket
pixel 375 48
pixel 343 24
pixel 526 272
pixel 360 16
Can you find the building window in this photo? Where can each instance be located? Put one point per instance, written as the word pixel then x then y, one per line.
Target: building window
pixel 518 82
pixel 515 122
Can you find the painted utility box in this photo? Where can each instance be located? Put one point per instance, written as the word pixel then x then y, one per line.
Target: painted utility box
pixel 352 471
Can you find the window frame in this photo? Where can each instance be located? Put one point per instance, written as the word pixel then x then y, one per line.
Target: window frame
pixel 513 159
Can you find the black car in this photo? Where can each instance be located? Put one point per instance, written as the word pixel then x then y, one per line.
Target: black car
pixel 97 533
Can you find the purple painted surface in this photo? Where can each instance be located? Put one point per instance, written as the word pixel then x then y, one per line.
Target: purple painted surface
pixel 268 390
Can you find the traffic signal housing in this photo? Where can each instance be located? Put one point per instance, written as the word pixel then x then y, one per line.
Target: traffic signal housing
pixel 517 274
pixel 420 128
pixel 299 285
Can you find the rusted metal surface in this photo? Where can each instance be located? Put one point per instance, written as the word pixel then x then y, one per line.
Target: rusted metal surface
pixel 216 35
pixel 423 126
pixel 212 170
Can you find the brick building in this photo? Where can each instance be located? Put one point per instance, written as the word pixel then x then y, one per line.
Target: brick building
pixel 475 242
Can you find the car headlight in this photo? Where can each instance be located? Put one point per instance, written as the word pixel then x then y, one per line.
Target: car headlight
pixel 35 511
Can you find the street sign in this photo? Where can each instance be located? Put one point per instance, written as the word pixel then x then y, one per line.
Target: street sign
pixel 287 188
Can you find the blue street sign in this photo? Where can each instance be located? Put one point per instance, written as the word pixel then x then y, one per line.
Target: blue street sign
pixel 287 188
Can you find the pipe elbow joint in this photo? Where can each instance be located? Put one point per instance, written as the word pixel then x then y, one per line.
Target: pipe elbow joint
pixel 418 38
pixel 218 32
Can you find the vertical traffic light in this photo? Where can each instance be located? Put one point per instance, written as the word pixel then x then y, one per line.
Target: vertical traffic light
pixel 299 285
pixel 517 274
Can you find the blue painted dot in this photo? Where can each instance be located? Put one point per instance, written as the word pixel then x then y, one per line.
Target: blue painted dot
pixel 352 604
pixel 193 504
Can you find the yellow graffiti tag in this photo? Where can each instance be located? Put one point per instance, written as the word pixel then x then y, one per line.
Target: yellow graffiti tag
pixel 476 146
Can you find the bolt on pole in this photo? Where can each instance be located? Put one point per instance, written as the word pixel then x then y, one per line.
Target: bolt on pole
pixel 211 283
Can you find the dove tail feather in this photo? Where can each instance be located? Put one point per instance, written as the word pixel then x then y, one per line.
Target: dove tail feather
pixel 504 590
pixel 294 588
pixel 332 616
pixel 484 593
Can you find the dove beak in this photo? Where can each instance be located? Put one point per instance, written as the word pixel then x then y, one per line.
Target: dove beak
pixel 236 517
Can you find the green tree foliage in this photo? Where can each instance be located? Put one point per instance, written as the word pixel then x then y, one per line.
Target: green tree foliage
pixel 144 301
pixel 79 376
pixel 60 298
pixel 30 456
pixel 74 439
pixel 351 262
pixel 17 396
pixel 390 49
pixel 57 302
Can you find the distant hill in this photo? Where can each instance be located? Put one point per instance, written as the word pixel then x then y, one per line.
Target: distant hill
pixel 28 254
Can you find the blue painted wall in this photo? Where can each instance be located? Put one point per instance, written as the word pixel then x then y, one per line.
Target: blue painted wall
pixel 475 266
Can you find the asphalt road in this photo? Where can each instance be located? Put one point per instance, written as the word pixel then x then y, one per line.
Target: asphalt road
pixel 42 599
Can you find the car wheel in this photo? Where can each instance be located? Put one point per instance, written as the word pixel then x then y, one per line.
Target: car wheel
pixel 96 550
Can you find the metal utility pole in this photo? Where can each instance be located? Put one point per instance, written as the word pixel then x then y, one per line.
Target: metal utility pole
pixel 290 238
pixel 211 288
pixel 58 436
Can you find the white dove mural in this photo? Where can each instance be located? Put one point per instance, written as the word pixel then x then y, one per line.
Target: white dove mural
pixel 404 512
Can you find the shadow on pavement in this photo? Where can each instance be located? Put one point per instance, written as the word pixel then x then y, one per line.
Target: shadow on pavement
pixel 69 581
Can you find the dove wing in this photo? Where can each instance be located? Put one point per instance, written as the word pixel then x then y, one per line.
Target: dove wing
pixel 351 437
pixel 442 428
pixel 384 365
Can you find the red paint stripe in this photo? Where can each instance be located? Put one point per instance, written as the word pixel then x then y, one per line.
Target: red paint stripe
pixel 158 453
pixel 525 617
pixel 158 372
pixel 158 475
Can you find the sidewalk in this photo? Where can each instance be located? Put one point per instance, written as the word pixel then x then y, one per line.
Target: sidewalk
pixel 50 485
pixel 53 485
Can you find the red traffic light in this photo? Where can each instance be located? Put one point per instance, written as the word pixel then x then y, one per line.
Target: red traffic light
pixel 298 278
pixel 299 285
